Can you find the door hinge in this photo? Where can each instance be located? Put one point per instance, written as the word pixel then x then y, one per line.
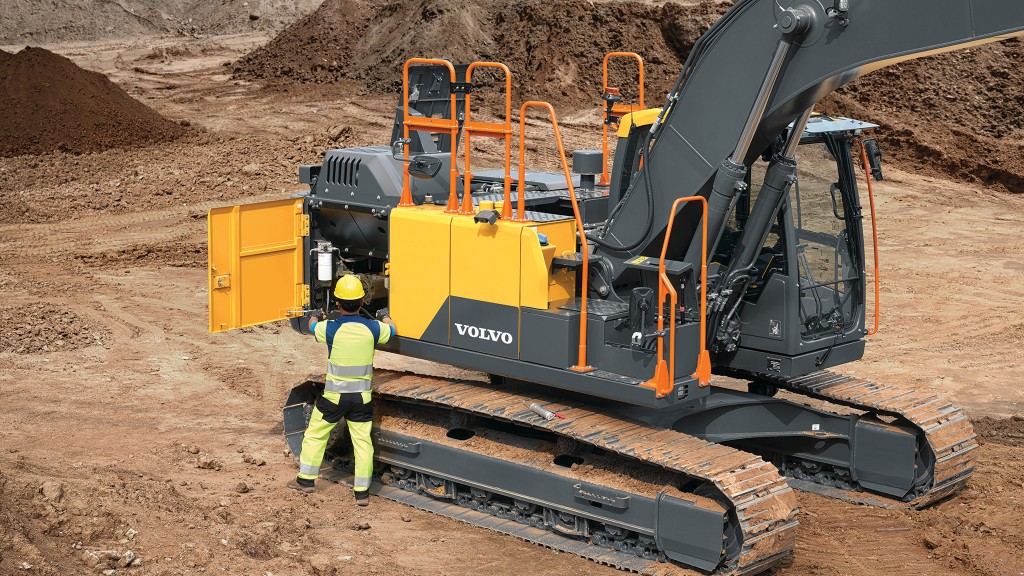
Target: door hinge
pixel 301 299
pixel 301 222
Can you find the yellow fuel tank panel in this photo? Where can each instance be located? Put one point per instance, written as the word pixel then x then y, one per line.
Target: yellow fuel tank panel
pixel 485 260
pixel 256 260
pixel 504 263
pixel 419 247
pixel 438 261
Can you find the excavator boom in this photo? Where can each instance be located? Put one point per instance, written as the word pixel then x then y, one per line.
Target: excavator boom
pixel 756 71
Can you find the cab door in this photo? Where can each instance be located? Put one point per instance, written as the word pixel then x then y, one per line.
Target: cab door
pixel 256 254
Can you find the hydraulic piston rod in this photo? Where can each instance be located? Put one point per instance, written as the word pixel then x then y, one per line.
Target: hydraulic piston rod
pixel 777 181
pixel 731 176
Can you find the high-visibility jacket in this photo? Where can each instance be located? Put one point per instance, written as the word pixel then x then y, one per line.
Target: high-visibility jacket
pixel 350 345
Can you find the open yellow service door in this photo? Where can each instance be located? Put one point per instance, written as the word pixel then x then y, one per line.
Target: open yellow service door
pixel 256 260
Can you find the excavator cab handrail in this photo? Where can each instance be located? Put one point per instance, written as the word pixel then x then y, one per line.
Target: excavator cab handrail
pixel 664 378
pixel 616 110
pixel 489 130
pixel 433 125
pixel 874 234
pixel 581 362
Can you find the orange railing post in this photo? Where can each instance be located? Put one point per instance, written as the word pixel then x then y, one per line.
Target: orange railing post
pixel 581 362
pixel 490 130
pixel 664 378
pixel 434 125
pixel 618 110
pixel 874 235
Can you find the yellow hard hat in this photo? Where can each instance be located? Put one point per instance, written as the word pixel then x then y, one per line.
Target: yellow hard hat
pixel 349 288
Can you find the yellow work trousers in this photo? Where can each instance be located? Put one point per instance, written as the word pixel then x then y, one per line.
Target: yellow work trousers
pixel 357 409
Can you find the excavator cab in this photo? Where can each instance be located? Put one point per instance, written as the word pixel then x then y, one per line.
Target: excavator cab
pixel 828 251
pixel 804 305
pixel 814 252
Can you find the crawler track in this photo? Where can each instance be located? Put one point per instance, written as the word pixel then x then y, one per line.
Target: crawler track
pixel 947 434
pixel 761 505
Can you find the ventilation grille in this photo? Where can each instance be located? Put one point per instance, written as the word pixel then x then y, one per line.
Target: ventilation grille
pixel 343 171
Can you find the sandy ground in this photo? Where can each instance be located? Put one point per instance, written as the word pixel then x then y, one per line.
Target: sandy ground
pixel 125 426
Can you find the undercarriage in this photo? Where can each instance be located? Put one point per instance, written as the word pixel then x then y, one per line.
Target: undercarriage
pixel 707 486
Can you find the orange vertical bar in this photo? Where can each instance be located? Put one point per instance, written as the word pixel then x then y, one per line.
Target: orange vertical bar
pixel 453 174
pixel 503 130
pixel 663 381
pixel 451 125
pixel 604 181
pixel 874 235
pixel 521 174
pixel 581 362
pixel 467 177
pixel 406 199
pixel 506 207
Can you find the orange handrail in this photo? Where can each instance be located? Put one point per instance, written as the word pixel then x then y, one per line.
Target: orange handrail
pixel 490 130
pixel 434 125
pixel 874 235
pixel 663 381
pixel 581 362
pixel 617 108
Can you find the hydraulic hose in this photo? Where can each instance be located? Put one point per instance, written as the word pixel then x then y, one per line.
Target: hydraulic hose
pixel 650 218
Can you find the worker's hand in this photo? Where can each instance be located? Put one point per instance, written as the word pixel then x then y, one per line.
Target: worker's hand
pixel 387 320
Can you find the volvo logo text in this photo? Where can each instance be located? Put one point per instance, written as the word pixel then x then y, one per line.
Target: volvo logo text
pixel 483 333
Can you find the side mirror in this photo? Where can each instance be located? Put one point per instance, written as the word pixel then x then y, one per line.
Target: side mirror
pixel 874 152
pixel 424 166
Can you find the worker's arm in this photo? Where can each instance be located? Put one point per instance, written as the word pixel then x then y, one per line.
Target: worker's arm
pixel 318 328
pixel 387 330
pixel 312 322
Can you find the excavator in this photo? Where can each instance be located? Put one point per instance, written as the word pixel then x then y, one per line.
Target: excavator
pixel 726 242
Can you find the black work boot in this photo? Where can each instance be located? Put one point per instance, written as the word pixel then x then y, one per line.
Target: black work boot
pixel 362 498
pixel 301 485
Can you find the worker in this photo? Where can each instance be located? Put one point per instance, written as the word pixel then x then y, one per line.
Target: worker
pixel 350 343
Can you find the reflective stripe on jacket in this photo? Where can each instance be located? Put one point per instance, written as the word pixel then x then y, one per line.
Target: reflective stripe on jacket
pixel 350 345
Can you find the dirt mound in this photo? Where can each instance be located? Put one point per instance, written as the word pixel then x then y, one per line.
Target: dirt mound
pixel 1008 431
pixel 316 49
pixel 179 252
pixel 48 103
pixel 576 35
pixel 959 114
pixel 31 21
pixel 38 328
pixel 336 43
